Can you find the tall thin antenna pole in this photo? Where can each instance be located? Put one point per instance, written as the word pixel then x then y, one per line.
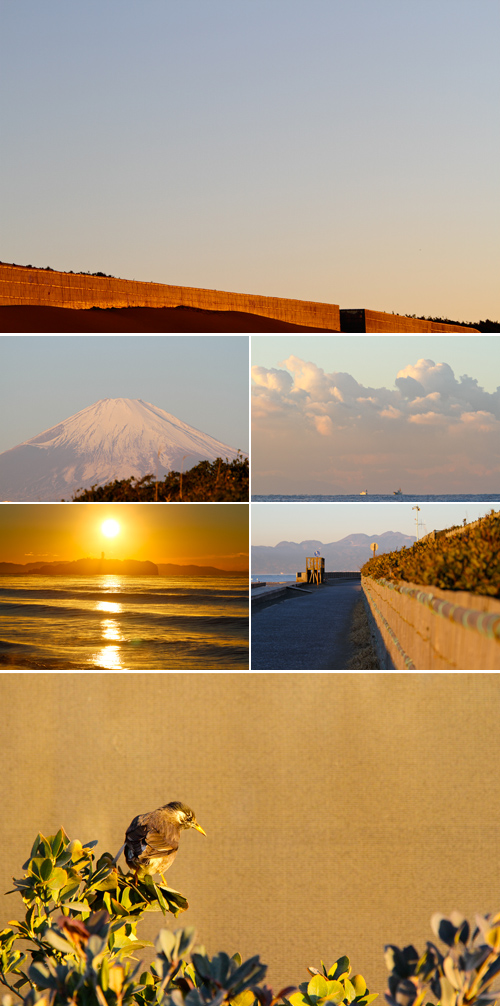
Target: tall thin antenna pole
pixel 417 508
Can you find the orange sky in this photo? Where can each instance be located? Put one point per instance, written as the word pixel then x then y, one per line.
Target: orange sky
pixel 206 534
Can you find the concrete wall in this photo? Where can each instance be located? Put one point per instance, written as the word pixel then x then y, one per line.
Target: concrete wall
pixel 343 575
pixel 423 628
pixel 341 810
pixel 364 320
pixel 20 285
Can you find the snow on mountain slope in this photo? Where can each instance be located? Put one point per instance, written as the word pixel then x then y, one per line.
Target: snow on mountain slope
pixel 113 439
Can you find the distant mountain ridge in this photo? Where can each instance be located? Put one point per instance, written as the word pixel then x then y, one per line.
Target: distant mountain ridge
pixel 116 438
pixel 96 567
pixel 83 567
pixel 349 553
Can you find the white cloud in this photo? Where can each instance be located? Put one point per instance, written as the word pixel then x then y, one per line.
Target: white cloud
pixel 324 425
pixel 276 380
pixel 424 388
pixel 430 423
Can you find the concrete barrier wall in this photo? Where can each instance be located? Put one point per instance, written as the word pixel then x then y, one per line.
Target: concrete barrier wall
pixel 424 628
pixel 20 285
pixel 343 575
pixel 364 320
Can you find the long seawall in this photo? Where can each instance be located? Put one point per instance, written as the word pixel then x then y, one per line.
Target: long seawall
pixel 25 285
pixel 365 320
pixel 42 287
pixel 424 628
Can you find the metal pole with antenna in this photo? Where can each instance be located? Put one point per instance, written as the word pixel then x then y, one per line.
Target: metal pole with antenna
pixel 417 508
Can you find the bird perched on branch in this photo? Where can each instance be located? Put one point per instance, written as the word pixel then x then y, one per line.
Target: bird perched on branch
pixel 152 840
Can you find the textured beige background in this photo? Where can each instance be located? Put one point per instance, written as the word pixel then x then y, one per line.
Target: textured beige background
pixel 341 810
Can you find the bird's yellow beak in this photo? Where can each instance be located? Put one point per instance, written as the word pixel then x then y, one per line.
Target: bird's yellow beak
pixel 199 828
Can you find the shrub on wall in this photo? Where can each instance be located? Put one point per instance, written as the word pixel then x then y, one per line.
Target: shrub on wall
pixel 467 561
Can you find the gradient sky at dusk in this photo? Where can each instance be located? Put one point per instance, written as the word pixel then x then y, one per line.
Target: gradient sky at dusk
pixel 321 425
pixel 326 522
pixel 334 150
pixel 206 534
pixel 202 380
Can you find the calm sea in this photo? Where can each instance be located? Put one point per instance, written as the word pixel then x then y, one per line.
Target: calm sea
pixel 451 498
pixel 274 577
pixel 115 623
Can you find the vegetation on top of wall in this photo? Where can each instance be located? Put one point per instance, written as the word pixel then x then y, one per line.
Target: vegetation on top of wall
pixel 483 326
pixel 467 561
pixel 208 481
pixel 48 268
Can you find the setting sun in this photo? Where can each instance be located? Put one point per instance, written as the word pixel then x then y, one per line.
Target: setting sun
pixel 110 528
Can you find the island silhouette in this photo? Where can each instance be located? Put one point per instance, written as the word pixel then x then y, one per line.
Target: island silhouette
pixel 125 567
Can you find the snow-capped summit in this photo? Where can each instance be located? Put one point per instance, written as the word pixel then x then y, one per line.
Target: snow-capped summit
pixel 115 438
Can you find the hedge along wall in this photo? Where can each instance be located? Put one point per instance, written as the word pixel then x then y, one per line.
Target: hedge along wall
pixel 21 285
pixel 364 320
pixel 425 628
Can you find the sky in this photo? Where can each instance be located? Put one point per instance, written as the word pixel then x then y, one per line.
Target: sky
pixel 206 534
pixel 327 522
pixel 338 414
pixel 202 380
pixel 341 151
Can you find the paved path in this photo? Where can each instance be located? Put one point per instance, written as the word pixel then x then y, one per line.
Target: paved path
pixel 306 632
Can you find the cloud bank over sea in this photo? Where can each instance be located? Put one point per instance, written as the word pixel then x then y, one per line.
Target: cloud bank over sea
pixel 319 431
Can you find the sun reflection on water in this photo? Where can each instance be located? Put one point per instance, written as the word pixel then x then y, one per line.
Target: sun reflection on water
pixel 111 584
pixel 108 658
pixel 111 629
pixel 112 606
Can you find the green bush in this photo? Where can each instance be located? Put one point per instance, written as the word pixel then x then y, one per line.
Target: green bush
pixel 332 985
pixel 467 561
pixel 207 481
pixel 462 976
pixel 80 928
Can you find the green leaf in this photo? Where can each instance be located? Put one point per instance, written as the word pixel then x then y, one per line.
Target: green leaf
pixel 34 867
pixel 104 974
pixel 359 985
pixel 350 991
pixel 318 986
pixel 41 976
pixel 186 939
pixel 130 947
pixel 45 869
pixel 58 879
pixel 166 943
pixel 161 901
pixel 58 942
pixel 68 890
pixel 297 999
pixel 125 898
pixel 57 842
pixel 343 967
pixel 108 883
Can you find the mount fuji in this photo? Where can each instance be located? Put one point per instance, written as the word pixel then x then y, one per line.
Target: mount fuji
pixel 115 438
